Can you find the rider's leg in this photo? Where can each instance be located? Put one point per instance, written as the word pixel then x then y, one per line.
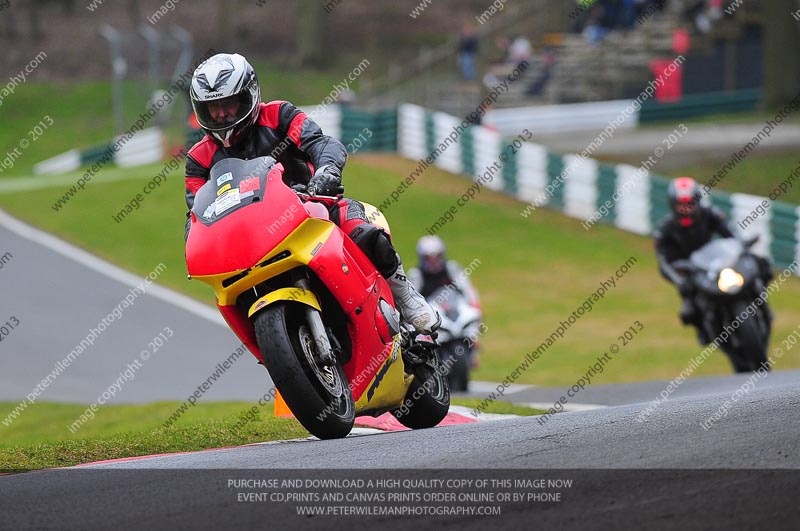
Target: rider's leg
pixel 349 215
pixel 690 314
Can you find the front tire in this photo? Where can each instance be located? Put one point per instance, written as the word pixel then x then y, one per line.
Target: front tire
pixel 751 353
pixel 319 396
pixel 428 397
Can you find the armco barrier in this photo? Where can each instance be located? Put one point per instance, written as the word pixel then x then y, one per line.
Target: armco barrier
pixel 628 198
pixel 382 126
pixel 145 147
pixel 631 200
pixel 693 105
pixel 594 116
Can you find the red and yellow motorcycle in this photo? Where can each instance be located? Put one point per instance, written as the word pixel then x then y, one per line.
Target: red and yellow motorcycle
pixel 308 303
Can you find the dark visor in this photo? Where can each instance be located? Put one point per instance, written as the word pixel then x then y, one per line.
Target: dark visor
pixel 205 116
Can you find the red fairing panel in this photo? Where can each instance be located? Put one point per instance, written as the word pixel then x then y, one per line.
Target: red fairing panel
pixel 241 239
pixel 341 265
pixel 242 327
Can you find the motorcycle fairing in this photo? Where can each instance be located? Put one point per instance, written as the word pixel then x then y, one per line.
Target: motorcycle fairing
pixel 271 243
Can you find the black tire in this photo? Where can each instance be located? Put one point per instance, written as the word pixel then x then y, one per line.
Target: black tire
pixel 319 397
pixel 457 357
pixel 428 397
pixel 751 353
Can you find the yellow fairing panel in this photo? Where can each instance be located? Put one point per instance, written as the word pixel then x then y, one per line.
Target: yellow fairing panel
pixel 298 247
pixel 285 294
pixel 389 386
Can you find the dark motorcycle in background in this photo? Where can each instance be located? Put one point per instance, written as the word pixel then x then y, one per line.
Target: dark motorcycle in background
pixel 461 326
pixel 728 281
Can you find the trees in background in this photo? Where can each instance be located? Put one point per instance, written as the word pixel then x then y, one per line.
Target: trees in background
pixel 781 51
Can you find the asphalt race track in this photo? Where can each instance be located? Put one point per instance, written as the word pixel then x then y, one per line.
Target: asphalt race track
pixel 59 293
pixel 632 393
pixel 666 472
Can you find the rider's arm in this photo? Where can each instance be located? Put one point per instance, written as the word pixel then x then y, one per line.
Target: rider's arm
pixel 198 163
pixel 721 225
pixel 194 180
pixel 307 135
pixel 663 256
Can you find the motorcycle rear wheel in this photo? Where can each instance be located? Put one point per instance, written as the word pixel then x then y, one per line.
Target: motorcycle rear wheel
pixel 428 397
pixel 319 396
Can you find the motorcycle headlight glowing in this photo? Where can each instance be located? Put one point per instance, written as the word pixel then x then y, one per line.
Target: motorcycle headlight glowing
pixel 729 281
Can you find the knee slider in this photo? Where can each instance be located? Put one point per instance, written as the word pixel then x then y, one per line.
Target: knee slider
pixel 375 243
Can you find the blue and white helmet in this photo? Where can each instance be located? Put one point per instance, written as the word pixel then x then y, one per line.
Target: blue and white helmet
pixel 431 253
pixel 225 79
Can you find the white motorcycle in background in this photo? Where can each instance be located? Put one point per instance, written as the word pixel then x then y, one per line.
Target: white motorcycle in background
pixel 461 326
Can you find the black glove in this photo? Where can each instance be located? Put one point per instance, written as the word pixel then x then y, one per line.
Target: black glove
pixel 327 180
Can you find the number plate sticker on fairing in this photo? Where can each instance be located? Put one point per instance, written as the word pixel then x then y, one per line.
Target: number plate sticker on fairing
pixel 227 201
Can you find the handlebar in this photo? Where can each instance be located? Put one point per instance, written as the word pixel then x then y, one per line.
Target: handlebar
pixel 302 192
pixel 683 266
pixel 749 242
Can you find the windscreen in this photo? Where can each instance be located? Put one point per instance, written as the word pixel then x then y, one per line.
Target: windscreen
pixel 232 185
pixel 717 254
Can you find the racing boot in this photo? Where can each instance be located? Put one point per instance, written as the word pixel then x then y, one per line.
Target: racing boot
pixel 688 313
pixel 413 307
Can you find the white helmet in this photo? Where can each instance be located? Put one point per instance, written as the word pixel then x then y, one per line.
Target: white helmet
pixel 225 97
pixel 430 250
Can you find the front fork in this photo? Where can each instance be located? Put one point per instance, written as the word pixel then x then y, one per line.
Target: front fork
pixel 317 327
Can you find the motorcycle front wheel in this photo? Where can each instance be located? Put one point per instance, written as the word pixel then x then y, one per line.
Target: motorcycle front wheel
pixel 318 395
pixel 751 353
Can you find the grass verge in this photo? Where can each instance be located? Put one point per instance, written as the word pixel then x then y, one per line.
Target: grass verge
pixel 758 174
pixel 40 438
pixel 497 406
pixel 81 112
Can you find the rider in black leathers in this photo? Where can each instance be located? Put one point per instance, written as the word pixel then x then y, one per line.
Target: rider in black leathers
pixel 689 226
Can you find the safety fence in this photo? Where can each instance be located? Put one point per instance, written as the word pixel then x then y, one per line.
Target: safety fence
pixel 630 198
pixel 144 147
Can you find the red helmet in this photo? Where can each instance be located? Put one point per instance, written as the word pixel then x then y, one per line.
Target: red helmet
pixel 683 197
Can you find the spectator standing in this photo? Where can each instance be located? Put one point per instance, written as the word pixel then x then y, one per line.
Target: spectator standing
pixel 467 50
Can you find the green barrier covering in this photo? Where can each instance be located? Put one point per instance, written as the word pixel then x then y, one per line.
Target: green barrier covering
pixel 606 187
pixel 468 150
pixel 94 154
pixel 783 227
pixel 701 105
pixel 722 200
pixel 555 165
pixel 510 173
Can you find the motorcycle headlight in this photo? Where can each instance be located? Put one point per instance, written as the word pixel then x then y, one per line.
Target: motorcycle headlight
pixel 729 281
